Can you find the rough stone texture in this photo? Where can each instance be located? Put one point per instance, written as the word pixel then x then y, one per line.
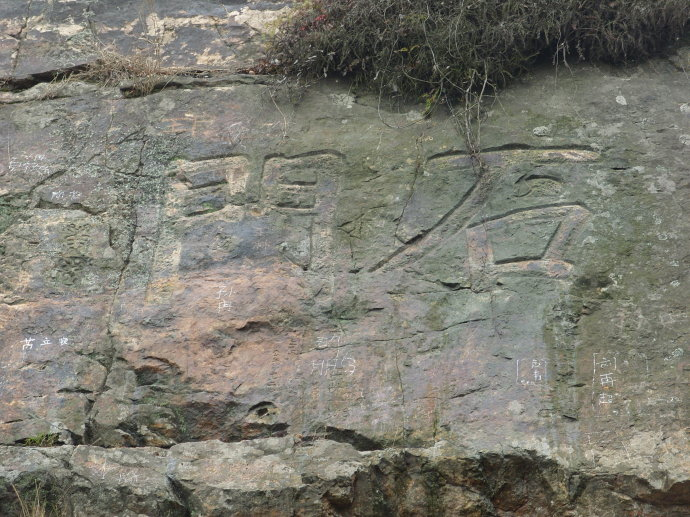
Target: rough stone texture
pixel 286 477
pixel 39 37
pixel 333 285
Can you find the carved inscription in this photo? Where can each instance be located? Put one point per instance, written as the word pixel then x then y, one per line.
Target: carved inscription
pixel 186 123
pixel 550 262
pixel 212 184
pixel 327 341
pixel 494 244
pixel 304 189
pixel 300 182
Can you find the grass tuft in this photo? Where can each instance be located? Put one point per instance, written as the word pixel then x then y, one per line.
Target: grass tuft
pixel 42 440
pixel 33 505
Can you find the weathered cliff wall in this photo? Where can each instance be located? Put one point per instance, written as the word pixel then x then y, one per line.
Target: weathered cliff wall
pixel 229 298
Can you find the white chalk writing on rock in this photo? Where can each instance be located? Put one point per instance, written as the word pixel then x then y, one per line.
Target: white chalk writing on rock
pixel 331 366
pixel 28 343
pixel 531 372
pixel 605 379
pixel 223 296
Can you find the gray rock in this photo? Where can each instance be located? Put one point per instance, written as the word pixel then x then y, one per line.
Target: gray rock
pixel 218 301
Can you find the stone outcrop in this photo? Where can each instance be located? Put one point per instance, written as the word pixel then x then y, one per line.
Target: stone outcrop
pixel 232 298
pixel 288 476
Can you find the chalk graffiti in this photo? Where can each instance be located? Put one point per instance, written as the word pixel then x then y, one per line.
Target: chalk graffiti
pixel 325 367
pixel 325 342
pixel 29 343
pixel 223 297
pixel 605 379
pixel 62 195
pixel 531 372
pixel 25 163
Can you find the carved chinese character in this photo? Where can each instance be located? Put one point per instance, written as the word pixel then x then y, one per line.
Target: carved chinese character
pixel 551 261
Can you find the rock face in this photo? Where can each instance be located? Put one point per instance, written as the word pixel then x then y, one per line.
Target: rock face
pixel 228 298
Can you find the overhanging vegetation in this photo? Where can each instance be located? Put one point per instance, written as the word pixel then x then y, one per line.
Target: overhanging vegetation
pixel 437 47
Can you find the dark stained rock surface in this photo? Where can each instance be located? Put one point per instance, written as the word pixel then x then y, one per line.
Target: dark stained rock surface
pixel 227 298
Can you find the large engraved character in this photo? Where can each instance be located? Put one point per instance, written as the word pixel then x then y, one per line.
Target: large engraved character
pixel 533 238
pixel 559 223
pixel 302 189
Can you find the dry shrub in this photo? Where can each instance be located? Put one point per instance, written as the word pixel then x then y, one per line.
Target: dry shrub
pixel 141 73
pixel 137 74
pixel 450 46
